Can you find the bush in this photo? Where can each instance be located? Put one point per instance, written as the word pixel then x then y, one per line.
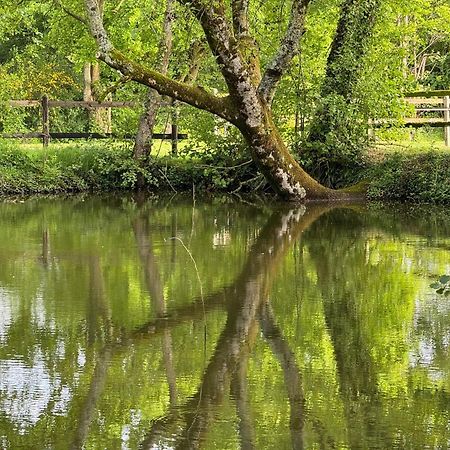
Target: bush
pixel 333 153
pixel 110 166
pixel 416 178
pixel 66 168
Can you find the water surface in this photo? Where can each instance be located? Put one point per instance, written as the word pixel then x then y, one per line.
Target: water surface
pixel 140 323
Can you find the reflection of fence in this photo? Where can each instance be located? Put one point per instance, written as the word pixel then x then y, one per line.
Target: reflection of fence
pixel 425 103
pixel 45 104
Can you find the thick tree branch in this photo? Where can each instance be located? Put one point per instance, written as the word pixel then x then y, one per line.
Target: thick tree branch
pixel 196 55
pixel 288 49
pixel 192 95
pixel 225 48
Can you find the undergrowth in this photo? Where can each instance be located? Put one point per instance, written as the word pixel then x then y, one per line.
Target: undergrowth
pixel 420 177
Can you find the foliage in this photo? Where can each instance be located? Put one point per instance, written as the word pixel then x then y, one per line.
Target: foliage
pixel 442 286
pixel 110 166
pixel 335 161
pixel 416 178
pixel 67 169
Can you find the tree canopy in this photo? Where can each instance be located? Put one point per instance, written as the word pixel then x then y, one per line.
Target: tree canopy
pixel 292 55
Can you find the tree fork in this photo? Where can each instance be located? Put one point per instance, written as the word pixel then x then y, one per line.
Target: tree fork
pixel 247 106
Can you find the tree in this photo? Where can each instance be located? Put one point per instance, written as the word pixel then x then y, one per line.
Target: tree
pixel 248 103
pixel 348 49
pixel 338 131
pixel 153 100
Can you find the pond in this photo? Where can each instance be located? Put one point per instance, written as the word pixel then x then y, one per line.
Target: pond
pixel 171 323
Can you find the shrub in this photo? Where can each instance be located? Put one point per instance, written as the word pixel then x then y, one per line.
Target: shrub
pixel 416 178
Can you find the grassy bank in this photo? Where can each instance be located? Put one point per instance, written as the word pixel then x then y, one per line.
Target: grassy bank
pixel 414 177
pixel 110 166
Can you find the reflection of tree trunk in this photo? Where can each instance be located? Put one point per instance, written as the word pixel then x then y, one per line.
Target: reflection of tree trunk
pixel 155 289
pixel 45 247
pixel 90 403
pixel 99 317
pixel 291 371
pixel 243 301
pixel 98 311
pixel 356 371
pixel 239 390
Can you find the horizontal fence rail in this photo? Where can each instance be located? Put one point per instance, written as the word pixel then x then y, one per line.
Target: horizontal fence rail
pixel 424 102
pixel 88 136
pixel 45 104
pixel 71 104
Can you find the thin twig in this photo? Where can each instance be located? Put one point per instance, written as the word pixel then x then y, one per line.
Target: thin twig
pixel 224 167
pixel 170 184
pixel 71 13
pixel 198 278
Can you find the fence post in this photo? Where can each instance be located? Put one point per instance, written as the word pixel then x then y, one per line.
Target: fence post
pixel 447 119
pixel 174 128
pixel 45 121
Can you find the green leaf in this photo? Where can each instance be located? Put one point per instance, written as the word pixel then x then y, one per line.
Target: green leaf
pixel 440 291
pixel 444 279
pixel 435 285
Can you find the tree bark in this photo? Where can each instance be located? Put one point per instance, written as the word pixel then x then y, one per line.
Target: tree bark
pixel 247 104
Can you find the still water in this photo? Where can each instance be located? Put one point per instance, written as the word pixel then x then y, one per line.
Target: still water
pixel 149 323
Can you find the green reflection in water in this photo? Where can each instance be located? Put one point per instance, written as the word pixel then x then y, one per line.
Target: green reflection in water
pixel 294 328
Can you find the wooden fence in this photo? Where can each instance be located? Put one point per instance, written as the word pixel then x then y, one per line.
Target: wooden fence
pixel 45 104
pixel 434 102
pixel 425 102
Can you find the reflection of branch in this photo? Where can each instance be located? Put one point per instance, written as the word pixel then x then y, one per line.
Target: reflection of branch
pixel 243 301
pixel 184 313
pixel 90 403
pixel 292 377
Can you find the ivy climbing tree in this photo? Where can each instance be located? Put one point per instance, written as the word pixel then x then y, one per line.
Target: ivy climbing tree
pixel 251 88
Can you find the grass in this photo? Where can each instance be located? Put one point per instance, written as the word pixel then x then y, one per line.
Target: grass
pixel 106 166
pixel 411 141
pixel 417 171
pixel 160 148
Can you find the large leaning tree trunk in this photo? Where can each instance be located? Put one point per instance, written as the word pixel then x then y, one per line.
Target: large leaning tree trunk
pixel 250 92
pixel 349 47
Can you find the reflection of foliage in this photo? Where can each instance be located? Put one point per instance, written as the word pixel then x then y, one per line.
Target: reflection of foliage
pixel 332 363
pixel 442 286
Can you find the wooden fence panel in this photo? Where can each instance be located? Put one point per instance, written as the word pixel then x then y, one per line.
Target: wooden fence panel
pixel 45 104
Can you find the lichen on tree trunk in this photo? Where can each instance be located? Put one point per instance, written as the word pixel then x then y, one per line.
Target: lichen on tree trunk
pixel 280 168
pixel 250 92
